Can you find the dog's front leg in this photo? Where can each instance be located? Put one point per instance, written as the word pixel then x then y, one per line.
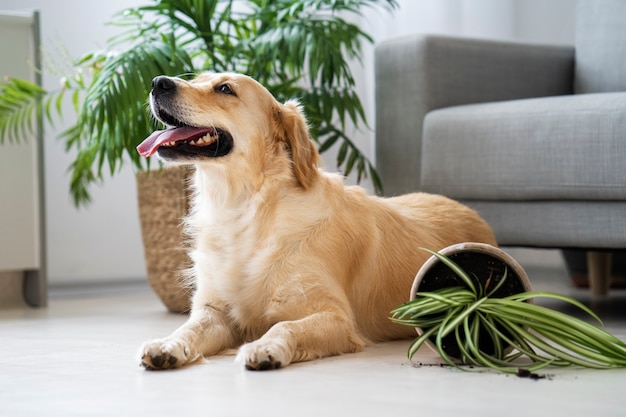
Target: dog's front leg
pixel 206 332
pixel 315 336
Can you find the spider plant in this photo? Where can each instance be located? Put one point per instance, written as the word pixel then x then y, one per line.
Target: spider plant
pixel 512 327
pixel 296 48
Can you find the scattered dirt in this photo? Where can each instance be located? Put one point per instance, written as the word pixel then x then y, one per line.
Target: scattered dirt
pixel 430 365
pixel 525 373
pixel 521 372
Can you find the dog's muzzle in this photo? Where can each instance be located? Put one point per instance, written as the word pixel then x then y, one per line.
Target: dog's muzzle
pixel 180 141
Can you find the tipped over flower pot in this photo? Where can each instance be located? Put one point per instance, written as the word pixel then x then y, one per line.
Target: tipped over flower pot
pixel 472 303
pixel 497 273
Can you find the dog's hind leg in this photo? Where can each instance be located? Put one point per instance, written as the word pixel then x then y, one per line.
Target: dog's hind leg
pixel 315 336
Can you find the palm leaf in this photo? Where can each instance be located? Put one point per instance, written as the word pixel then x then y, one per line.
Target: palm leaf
pixel 120 88
pixel 297 48
pixel 20 104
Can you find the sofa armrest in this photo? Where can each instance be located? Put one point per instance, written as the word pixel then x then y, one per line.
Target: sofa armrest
pixel 416 74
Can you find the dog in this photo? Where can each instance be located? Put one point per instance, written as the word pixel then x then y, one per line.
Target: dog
pixel 289 263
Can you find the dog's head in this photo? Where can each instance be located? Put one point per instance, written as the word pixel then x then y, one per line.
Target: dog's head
pixel 228 119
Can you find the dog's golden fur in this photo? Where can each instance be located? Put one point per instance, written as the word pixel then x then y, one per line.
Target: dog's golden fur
pixel 289 263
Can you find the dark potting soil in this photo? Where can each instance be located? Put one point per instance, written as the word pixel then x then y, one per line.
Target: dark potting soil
pixel 525 373
pixel 489 271
pixel 521 372
pixel 486 268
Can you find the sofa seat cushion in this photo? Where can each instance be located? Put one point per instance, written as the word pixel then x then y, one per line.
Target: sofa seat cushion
pixel 556 148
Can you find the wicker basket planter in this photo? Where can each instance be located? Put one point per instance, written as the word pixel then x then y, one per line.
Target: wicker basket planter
pixel 163 198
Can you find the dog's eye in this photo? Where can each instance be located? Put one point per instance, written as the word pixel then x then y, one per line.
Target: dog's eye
pixel 225 89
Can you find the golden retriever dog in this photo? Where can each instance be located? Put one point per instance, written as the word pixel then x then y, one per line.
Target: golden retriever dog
pixel 289 263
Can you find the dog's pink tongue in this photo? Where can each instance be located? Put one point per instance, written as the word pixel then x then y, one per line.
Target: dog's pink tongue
pixel 150 145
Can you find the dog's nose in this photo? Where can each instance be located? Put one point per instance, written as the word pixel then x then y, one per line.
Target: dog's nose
pixel 163 84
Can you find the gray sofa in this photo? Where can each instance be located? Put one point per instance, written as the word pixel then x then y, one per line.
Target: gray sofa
pixel 531 136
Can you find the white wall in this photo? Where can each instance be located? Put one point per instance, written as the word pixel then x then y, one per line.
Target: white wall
pixel 546 21
pixel 102 242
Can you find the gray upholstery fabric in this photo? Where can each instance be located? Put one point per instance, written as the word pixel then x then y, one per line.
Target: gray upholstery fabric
pixel 496 125
pixel 555 148
pixel 556 224
pixel 601 46
pixel 416 74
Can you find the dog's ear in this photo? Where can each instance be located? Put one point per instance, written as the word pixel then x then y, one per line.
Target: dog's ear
pixel 292 129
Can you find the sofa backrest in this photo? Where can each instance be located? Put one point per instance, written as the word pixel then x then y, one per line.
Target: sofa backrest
pixel 600 46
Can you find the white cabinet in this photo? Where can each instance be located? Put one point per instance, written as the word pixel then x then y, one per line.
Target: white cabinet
pixel 21 183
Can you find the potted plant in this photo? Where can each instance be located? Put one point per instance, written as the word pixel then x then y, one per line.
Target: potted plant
pixel 296 48
pixel 472 303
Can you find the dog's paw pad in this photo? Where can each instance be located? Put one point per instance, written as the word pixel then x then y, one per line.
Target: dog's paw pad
pixel 263 365
pixel 164 354
pixel 258 356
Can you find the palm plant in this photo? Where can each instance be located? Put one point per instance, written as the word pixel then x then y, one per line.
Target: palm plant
pixel 296 48
pixel 493 332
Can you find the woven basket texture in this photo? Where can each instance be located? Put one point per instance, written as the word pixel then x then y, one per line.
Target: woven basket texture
pixel 163 202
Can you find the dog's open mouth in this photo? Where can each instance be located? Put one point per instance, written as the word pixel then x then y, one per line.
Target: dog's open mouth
pixel 187 142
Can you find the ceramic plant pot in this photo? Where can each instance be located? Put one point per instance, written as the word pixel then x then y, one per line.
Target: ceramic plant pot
pixel 486 262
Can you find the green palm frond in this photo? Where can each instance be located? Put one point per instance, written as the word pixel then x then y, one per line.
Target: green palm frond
pixel 120 87
pixel 297 48
pixel 19 101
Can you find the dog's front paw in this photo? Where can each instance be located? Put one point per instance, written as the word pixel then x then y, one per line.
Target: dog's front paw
pixel 165 354
pixel 262 355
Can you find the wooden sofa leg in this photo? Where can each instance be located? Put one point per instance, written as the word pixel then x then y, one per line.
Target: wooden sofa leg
pixel 599 268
